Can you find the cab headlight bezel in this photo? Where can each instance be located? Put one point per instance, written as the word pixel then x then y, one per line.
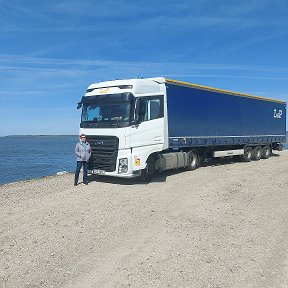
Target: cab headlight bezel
pixel 123 165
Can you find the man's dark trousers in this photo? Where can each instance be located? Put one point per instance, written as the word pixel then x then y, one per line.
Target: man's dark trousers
pixel 85 172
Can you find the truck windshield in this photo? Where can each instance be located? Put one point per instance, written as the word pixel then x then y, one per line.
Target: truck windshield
pixel 107 111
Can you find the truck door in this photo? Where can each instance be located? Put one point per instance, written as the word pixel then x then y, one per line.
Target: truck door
pixel 149 129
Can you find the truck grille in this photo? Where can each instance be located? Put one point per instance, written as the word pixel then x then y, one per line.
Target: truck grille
pixel 104 152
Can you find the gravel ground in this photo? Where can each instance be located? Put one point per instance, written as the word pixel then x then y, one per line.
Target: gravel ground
pixel 222 225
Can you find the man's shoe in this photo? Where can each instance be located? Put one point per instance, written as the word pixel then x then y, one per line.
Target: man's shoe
pixel 75 184
pixel 86 183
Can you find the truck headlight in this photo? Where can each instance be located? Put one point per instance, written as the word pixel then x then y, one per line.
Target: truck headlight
pixel 123 165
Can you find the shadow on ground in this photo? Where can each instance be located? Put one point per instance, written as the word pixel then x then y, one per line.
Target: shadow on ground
pixel 163 176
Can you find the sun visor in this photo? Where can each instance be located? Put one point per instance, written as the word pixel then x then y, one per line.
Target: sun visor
pixel 120 97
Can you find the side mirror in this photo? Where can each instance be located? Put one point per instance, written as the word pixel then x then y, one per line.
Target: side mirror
pixel 79 104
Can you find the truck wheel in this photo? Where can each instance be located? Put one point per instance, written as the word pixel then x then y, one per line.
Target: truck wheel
pixel 257 153
pixel 148 173
pixel 266 152
pixel 193 161
pixel 247 156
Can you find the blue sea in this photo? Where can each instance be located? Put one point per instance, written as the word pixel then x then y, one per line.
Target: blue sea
pixel 28 157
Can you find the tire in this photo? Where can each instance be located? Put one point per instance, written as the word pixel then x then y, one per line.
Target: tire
pixel 148 173
pixel 193 161
pixel 247 156
pixel 266 152
pixel 257 153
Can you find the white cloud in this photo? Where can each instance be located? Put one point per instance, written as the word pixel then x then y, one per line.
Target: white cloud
pixel 65 80
pixel 115 16
pixel 68 67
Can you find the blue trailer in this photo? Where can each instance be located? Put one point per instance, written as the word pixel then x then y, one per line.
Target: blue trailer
pixel 206 116
pixel 140 126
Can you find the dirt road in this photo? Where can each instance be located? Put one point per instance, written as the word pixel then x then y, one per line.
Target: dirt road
pixel 222 225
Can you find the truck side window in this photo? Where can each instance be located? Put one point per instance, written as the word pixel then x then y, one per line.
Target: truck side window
pixel 150 108
pixel 154 109
pixel 143 111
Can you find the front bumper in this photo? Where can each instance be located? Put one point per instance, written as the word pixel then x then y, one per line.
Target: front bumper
pixel 115 174
pixel 126 153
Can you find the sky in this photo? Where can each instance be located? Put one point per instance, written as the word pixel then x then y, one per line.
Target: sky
pixel 50 51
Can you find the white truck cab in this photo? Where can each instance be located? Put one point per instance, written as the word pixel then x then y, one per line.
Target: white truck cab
pixel 125 123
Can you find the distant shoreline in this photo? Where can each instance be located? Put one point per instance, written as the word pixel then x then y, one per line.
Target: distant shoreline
pixel 56 135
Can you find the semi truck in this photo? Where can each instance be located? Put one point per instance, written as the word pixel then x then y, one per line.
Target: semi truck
pixel 140 127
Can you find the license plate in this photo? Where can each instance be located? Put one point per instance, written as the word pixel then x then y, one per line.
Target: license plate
pixel 99 172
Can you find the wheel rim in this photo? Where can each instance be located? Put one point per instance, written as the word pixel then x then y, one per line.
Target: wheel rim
pixel 267 152
pixel 193 162
pixel 249 154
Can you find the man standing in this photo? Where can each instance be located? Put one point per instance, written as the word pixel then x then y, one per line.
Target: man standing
pixel 83 153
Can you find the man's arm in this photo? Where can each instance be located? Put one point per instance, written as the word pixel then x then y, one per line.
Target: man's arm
pixel 77 150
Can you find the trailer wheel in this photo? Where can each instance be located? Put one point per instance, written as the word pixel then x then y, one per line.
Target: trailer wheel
pixel 257 153
pixel 148 173
pixel 266 152
pixel 193 161
pixel 247 156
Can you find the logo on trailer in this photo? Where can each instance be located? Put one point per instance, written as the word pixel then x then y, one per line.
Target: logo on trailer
pixel 277 113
